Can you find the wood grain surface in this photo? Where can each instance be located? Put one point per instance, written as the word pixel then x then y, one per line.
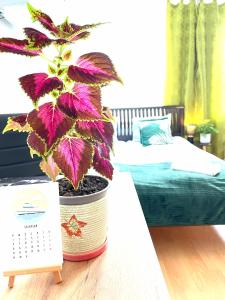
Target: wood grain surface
pixel 128 270
pixel 193 260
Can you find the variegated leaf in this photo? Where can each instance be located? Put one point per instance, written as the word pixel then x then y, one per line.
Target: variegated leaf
pixel 84 103
pixel 67 55
pixel 65 28
pixel 60 41
pixel 101 164
pixel 49 123
pixel 52 69
pixel 15 46
pixel 80 32
pixel 73 32
pixel 103 150
pixel 82 28
pixel 38 38
pixel 107 113
pixel 38 84
pixel 96 130
pixel 43 19
pixel 50 168
pixel 18 123
pixel 93 68
pixel 79 36
pixel 36 145
pixel 74 157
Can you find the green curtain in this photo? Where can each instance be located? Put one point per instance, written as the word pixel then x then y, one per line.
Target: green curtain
pixel 196 64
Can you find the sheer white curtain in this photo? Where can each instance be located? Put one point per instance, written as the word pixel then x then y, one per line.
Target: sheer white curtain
pixel 134 39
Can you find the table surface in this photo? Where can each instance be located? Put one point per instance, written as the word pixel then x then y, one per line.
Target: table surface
pixel 127 270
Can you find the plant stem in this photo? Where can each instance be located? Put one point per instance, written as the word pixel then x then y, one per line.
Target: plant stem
pixel 45 58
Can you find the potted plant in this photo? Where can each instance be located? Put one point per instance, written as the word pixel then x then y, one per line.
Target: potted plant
pixel 69 129
pixel 205 129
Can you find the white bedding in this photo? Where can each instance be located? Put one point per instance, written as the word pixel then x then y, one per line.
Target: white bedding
pixel 181 154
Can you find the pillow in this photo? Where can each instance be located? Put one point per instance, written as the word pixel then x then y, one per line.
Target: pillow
pixel 137 121
pixel 155 132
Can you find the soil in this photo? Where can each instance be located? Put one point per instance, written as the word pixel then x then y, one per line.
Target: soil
pixel 89 185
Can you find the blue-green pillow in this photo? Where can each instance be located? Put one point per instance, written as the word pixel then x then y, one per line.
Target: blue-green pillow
pixel 137 121
pixel 155 132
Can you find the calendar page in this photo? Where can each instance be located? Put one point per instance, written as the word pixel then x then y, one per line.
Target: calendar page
pixel 30 226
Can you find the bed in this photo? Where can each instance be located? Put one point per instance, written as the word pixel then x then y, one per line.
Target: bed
pixel 177 183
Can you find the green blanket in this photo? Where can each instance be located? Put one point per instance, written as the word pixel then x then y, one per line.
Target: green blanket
pixel 171 197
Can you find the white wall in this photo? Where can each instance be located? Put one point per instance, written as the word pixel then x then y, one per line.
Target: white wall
pixel 134 39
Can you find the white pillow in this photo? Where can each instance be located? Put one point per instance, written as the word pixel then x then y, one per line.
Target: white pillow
pixel 136 125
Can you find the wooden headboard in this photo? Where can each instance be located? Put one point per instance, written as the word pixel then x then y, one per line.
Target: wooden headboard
pixel 124 118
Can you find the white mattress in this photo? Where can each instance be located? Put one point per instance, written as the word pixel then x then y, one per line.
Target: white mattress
pixel 181 154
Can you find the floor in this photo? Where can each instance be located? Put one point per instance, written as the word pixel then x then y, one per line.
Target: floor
pixel 192 259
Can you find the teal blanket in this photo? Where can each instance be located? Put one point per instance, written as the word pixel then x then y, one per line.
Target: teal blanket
pixel 171 197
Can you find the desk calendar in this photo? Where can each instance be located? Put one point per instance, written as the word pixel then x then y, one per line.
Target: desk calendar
pixel 30 228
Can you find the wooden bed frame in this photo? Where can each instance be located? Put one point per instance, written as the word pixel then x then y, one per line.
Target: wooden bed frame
pixel 124 118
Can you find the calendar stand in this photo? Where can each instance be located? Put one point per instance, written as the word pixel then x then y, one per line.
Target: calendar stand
pixel 32 241
pixel 56 271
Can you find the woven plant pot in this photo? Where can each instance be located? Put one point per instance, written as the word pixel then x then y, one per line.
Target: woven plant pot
pixel 84 225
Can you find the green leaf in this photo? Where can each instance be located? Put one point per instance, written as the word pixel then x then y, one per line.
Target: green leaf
pixel 67 55
pixel 52 69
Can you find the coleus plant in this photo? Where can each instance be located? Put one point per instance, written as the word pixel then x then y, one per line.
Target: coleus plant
pixel 71 132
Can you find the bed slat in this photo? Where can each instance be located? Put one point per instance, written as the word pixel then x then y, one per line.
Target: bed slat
pixel 125 116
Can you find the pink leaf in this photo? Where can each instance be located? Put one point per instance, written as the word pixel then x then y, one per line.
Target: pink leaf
pixel 50 168
pixel 18 47
pixel 18 123
pixel 79 36
pixel 49 123
pixel 36 145
pixel 74 157
pixel 43 19
pixel 38 38
pixel 93 68
pixel 103 150
pixel 101 164
pixel 84 103
pixel 96 130
pixel 38 84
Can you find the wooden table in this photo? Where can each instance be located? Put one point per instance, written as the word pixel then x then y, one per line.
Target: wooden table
pixel 128 270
